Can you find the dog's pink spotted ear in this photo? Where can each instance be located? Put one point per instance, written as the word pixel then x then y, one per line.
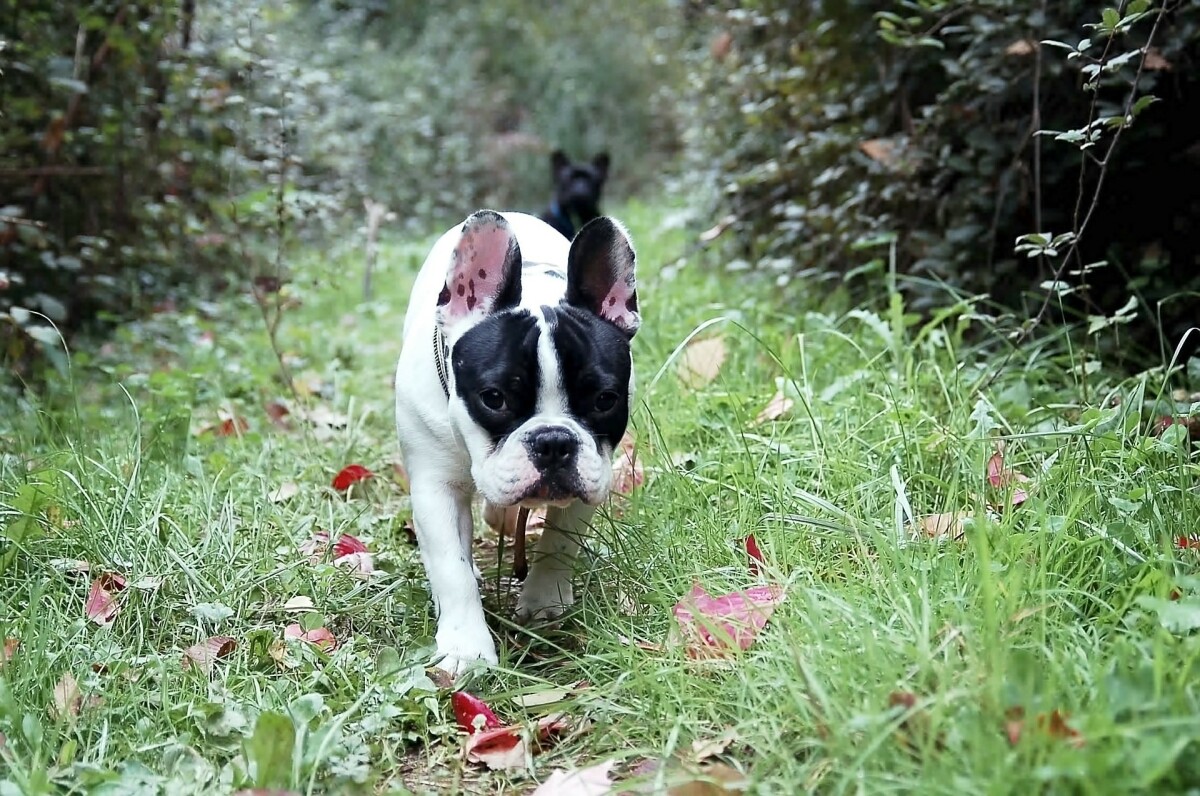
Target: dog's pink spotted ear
pixel 484 274
pixel 600 274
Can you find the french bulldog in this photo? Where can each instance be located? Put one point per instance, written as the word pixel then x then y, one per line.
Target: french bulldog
pixel 577 188
pixel 514 382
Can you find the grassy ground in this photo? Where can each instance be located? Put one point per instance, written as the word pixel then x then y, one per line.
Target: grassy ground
pixel 894 665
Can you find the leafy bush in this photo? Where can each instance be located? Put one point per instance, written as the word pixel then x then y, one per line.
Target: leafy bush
pixel 835 127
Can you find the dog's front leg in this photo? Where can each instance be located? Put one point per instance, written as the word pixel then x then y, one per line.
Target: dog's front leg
pixel 548 591
pixel 442 521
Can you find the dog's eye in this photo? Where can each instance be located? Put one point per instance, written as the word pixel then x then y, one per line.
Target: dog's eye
pixel 606 400
pixel 493 399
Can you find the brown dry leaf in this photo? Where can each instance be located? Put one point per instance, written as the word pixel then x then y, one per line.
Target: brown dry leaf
pixel 278 412
pixel 948 525
pixel 101 607
pixel 205 654
pixel 286 491
pixel 319 637
pixel 717 779
pixel 11 645
pixel 701 361
pixel 1155 62
pixel 880 150
pixel 779 406
pixel 704 748
pixel 628 472
pixel 1021 47
pixel 67 697
pixel 590 781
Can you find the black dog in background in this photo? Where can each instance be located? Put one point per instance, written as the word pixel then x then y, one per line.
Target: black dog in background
pixel 576 192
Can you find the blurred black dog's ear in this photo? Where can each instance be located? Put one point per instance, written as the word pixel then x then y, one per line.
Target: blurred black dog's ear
pixel 600 162
pixel 558 162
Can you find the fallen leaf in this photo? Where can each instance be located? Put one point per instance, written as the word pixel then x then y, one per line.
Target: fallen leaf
pixel 278 413
pixel 1021 47
pixel 349 475
pixel 755 554
pixel 590 781
pixel 472 713
pixel 714 626
pixel 205 654
pixel 948 525
pixel 315 547
pixel 1054 724
pixel 711 780
pixel 915 731
pixel 320 637
pixel 323 417
pixel 11 645
pixel 505 747
pixel 348 545
pixel 1188 542
pixel 701 361
pixel 299 604
pixel 1000 477
pixel 229 427
pixel 705 748
pixel 628 473
pixel 67 697
pixel 147 583
pixel 539 698
pixel 779 406
pixel 286 491
pixel 101 607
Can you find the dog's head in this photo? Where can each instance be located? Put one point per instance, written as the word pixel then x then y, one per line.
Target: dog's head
pixel 577 186
pixel 540 397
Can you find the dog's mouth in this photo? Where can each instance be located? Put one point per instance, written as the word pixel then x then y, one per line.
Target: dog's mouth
pixel 550 492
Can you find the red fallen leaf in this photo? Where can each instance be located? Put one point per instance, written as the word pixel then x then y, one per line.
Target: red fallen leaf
pixel 1188 542
pixel 754 553
pixel 278 412
pixel 1014 723
pixel 320 637
pixel 100 606
pixel 714 626
pixel 229 427
pixel 205 654
pixel 472 713
pixel 347 545
pixel 11 645
pixel 351 474
pixel 505 747
pixel 999 476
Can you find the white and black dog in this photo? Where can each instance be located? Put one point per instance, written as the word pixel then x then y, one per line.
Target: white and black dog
pixel 515 382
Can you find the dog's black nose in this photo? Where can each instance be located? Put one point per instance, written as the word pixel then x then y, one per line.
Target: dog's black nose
pixel 553 447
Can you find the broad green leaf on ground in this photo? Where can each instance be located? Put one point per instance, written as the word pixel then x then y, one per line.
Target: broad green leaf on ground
pixel 590 781
pixel 713 627
pixel 1175 616
pixel 270 749
pixel 701 361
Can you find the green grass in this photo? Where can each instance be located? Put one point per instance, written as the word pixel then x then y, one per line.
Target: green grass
pixel 1059 604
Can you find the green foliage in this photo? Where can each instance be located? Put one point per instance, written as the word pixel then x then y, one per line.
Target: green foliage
pixel 839 126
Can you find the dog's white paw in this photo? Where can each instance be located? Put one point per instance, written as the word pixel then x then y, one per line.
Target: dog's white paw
pixel 457 654
pixel 544 602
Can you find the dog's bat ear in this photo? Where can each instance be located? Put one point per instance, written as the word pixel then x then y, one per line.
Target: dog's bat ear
pixel 600 274
pixel 558 162
pixel 484 275
pixel 600 164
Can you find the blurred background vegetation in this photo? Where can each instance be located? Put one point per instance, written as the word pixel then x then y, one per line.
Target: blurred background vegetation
pixel 155 151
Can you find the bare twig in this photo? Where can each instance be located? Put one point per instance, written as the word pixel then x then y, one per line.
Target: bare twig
pixel 1080 225
pixel 376 212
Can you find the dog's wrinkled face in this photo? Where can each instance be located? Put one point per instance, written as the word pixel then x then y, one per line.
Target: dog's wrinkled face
pixel 540 395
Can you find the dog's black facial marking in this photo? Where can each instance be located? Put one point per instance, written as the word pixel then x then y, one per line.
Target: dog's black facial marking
pixel 496 372
pixel 595 368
